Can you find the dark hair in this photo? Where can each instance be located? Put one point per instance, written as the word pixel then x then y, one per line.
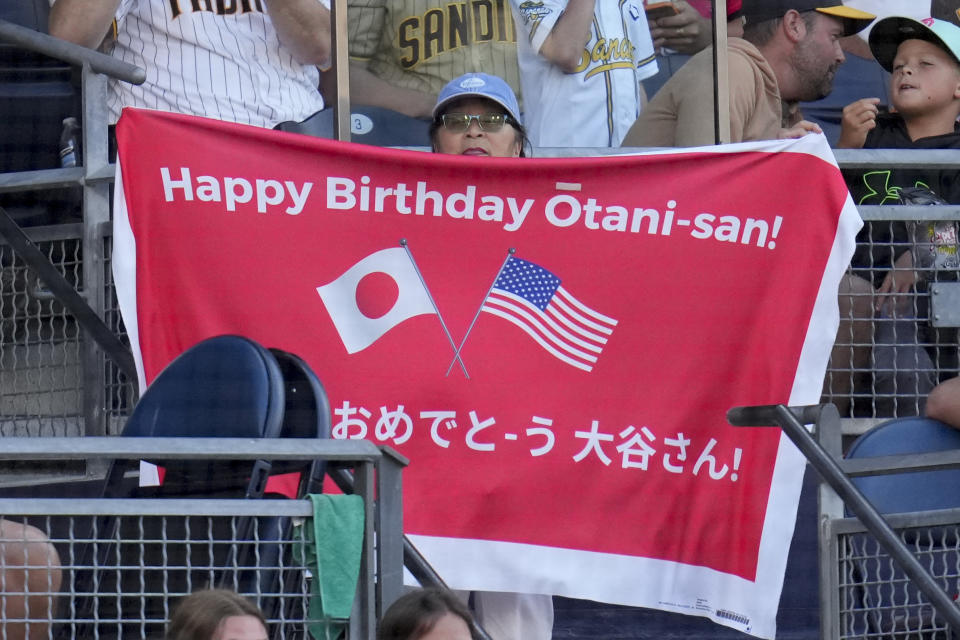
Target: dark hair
pixel 413 615
pixel 517 127
pixel 760 33
pixel 199 614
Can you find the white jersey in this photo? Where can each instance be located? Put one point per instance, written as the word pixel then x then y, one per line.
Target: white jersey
pixel 595 105
pixel 215 58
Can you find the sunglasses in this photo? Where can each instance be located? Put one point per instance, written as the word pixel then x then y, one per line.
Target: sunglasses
pixel 489 122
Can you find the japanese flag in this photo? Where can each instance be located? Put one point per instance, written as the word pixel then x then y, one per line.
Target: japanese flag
pixel 353 300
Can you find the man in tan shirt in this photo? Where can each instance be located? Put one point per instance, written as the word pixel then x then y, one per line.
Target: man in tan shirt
pixel 789 52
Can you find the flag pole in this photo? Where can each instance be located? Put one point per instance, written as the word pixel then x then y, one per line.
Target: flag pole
pixel 456 357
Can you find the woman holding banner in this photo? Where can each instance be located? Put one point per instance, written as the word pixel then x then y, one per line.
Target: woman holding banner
pixel 477 114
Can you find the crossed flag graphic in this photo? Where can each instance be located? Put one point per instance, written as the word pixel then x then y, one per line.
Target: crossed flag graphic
pixel 522 293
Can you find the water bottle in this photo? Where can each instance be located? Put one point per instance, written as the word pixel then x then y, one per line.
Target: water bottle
pixel 69 142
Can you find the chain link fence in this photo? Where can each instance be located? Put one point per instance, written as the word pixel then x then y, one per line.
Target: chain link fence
pixel 875 599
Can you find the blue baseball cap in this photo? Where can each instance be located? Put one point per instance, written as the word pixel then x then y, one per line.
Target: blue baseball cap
pixel 888 33
pixel 479 85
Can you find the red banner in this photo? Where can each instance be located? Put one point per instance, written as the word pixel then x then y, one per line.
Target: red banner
pixel 552 342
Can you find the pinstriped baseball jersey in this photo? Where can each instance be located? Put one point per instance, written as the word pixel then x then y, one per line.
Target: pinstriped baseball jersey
pixel 423 44
pixel 216 58
pixel 595 105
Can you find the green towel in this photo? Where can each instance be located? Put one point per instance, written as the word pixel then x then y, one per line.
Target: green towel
pixel 331 546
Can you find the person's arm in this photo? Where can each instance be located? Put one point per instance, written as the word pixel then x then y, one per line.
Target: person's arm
pixel 83 22
pixel 943 404
pixel 569 36
pixel 303 26
pixel 368 89
pixel 366 36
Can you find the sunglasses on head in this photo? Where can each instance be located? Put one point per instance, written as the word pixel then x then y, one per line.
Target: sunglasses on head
pixel 489 122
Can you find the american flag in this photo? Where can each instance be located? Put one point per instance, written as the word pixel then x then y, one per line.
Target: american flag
pixel 533 299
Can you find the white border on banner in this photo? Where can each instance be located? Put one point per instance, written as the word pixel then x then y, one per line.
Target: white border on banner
pixel 619 579
pixel 124 266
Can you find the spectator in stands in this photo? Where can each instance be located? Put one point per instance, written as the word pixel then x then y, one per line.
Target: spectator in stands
pixel 788 53
pixel 860 76
pixel 581 63
pixel 216 614
pixel 402 52
pixel 427 614
pixel 478 115
pixel 30 578
pixel 248 61
pixel 943 404
pixel 924 61
pixel 678 37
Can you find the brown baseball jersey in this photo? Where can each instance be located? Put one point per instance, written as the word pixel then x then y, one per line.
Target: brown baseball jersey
pixel 423 44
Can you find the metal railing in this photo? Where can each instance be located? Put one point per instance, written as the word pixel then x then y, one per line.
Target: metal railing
pixel 96 354
pixel 127 560
pixel 865 553
pixel 892 350
pixel 54 381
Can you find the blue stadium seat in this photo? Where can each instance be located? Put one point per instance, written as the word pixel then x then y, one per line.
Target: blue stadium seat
pixel 28 13
pixel 904 492
pixel 226 386
pixel 368 125
pixel 387 128
pixel 306 415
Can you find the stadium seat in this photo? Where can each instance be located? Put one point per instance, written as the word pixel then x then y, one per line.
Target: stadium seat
pixel 368 125
pixel 917 491
pixel 306 415
pixel 387 128
pixel 28 13
pixel 226 386
pixel 888 602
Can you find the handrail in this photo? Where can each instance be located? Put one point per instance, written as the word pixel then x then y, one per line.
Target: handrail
pixel 413 560
pixel 846 158
pixel 187 448
pixel 67 295
pixel 380 577
pixel 897 158
pixel 901 463
pixel 791 420
pixel 68 52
